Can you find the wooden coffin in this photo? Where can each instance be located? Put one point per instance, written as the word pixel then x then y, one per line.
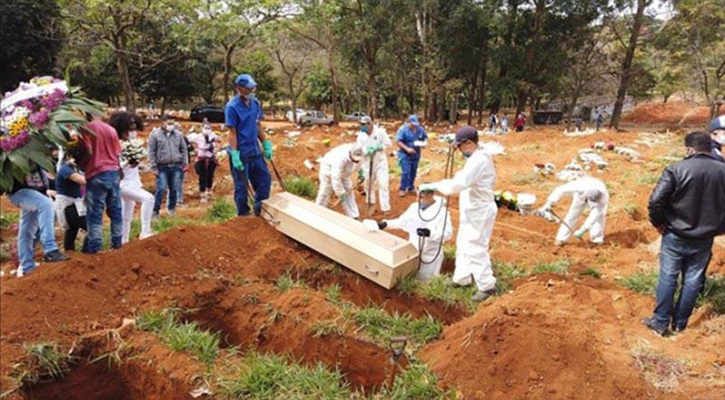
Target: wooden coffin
pixel 378 256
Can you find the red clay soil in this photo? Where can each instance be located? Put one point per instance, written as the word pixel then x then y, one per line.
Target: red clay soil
pixel 553 338
pixel 672 113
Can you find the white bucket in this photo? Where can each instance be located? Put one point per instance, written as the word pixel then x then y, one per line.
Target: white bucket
pixel 525 202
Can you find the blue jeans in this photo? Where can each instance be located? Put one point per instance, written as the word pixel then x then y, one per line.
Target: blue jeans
pixel 36 215
pixel 409 169
pixel 686 257
pixel 256 172
pixel 103 191
pixel 168 177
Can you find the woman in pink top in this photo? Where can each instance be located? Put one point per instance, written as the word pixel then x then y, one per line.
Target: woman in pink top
pixel 205 148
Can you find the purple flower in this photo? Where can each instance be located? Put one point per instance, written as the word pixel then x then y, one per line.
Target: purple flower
pixel 39 119
pixel 9 144
pixel 28 104
pixel 53 100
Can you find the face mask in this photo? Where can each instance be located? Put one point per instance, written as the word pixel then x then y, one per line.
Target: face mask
pixel 132 134
pixel 720 138
pixel 425 206
pixel 466 154
pixel 206 131
pixel 169 127
pixel 364 128
pixel 249 96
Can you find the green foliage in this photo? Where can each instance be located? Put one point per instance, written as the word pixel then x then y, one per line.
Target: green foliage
pixel 48 357
pixel 8 218
pixel 164 224
pixel 505 273
pixel 641 282
pixel 647 179
pixel 591 272
pixel 437 289
pixel 301 186
pixel 317 91
pixel 714 293
pixel 560 267
pixel 381 326
pixel 334 293
pixel 286 282
pixel 408 285
pixel 181 336
pixel 262 377
pixel 221 210
pixel 417 382
pixel 325 328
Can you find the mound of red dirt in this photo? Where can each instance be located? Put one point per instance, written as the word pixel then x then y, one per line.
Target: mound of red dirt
pixel 553 338
pixel 671 113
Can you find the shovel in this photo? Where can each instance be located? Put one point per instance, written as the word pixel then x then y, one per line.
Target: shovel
pixel 397 349
pixel 370 205
pixel 561 221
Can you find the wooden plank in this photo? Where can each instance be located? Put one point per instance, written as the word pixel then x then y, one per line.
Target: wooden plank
pixel 379 256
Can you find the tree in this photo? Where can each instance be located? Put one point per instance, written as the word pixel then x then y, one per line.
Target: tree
pixel 31 39
pixel 584 68
pixel 634 29
pixel 293 56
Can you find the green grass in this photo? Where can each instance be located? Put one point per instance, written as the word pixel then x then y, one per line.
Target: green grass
pixel 8 218
pixel 301 186
pixel 325 328
pixel 222 210
pixel 381 326
pixel 48 357
pixel 591 272
pixel 164 224
pixel 261 377
pixel 286 282
pixel 641 282
pixel 714 293
pixel 449 252
pixel 560 267
pixel 436 289
pixel 334 293
pixel 417 382
pixel 505 273
pixel 526 179
pixel 408 285
pixel 647 179
pixel 181 336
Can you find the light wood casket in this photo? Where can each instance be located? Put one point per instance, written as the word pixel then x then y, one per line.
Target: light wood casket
pixel 378 256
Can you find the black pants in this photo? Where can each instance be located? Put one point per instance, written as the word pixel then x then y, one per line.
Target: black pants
pixel 205 169
pixel 75 222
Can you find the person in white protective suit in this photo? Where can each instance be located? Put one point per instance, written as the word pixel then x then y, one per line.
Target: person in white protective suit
pixel 336 168
pixel 428 223
pixel 374 140
pixel 478 210
pixel 586 192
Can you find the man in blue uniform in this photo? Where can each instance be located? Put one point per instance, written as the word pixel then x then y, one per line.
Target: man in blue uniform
pixel 410 139
pixel 243 115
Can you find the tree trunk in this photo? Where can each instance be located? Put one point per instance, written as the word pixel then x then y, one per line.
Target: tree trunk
pixel 333 78
pixel 572 106
pixel 482 90
pixel 521 98
pixel 228 52
pixel 627 64
pixel 122 65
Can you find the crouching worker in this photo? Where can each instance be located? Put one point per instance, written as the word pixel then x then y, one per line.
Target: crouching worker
pixel 428 225
pixel 336 169
pixel 586 192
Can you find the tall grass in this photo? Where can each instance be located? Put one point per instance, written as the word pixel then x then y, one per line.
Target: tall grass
pixel 181 336
pixel 301 186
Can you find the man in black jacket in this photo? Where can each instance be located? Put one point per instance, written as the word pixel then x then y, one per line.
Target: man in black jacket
pixel 688 208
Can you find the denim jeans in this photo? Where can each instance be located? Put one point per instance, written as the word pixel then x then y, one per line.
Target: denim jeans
pixel 168 177
pixel 688 258
pixel 103 191
pixel 37 214
pixel 256 172
pixel 409 169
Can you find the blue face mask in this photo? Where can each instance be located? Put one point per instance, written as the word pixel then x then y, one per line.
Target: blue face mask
pixel 425 206
pixel 249 96
pixel 466 154
pixel 364 128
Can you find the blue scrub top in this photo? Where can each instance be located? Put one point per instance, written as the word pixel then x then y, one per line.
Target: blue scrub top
pixel 408 136
pixel 244 118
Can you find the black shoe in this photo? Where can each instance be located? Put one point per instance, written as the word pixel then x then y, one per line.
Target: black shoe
pixel 676 330
pixel 482 295
pixel 652 325
pixel 55 256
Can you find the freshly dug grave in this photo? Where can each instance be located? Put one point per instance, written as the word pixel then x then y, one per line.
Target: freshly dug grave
pixel 556 338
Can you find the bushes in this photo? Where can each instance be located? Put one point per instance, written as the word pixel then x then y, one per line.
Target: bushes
pixel 301 186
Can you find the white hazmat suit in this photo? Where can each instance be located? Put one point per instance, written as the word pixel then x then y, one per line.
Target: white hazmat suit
pixel 336 169
pixel 379 137
pixel 438 221
pixel 475 183
pixel 586 191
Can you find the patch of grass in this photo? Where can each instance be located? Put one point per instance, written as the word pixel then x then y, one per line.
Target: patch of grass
pixel 276 377
pixel 526 179
pixel 417 382
pixel 714 293
pixel 647 179
pixel 436 289
pixel 560 267
pixel 222 210
pixel 181 336
pixel 286 282
pixel 164 224
pixel 48 358
pixel 633 211
pixel 8 218
pixel 334 293
pixel 591 272
pixel 301 186
pixel 641 282
pixel 408 285
pixel 325 328
pixel 381 326
pixel 505 273
pixel 449 252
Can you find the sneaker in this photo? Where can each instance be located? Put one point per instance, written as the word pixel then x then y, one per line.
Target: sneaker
pixel 172 213
pixel 676 330
pixel 650 324
pixel 55 256
pixel 143 236
pixel 482 295
pixel 559 243
pixel 402 193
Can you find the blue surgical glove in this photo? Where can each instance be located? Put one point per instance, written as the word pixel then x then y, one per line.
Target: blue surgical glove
pixel 343 197
pixel 267 145
pixel 580 233
pixel 236 161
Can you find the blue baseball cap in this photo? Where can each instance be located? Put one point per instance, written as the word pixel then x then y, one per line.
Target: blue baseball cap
pixel 717 123
pixel 413 119
pixel 245 81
